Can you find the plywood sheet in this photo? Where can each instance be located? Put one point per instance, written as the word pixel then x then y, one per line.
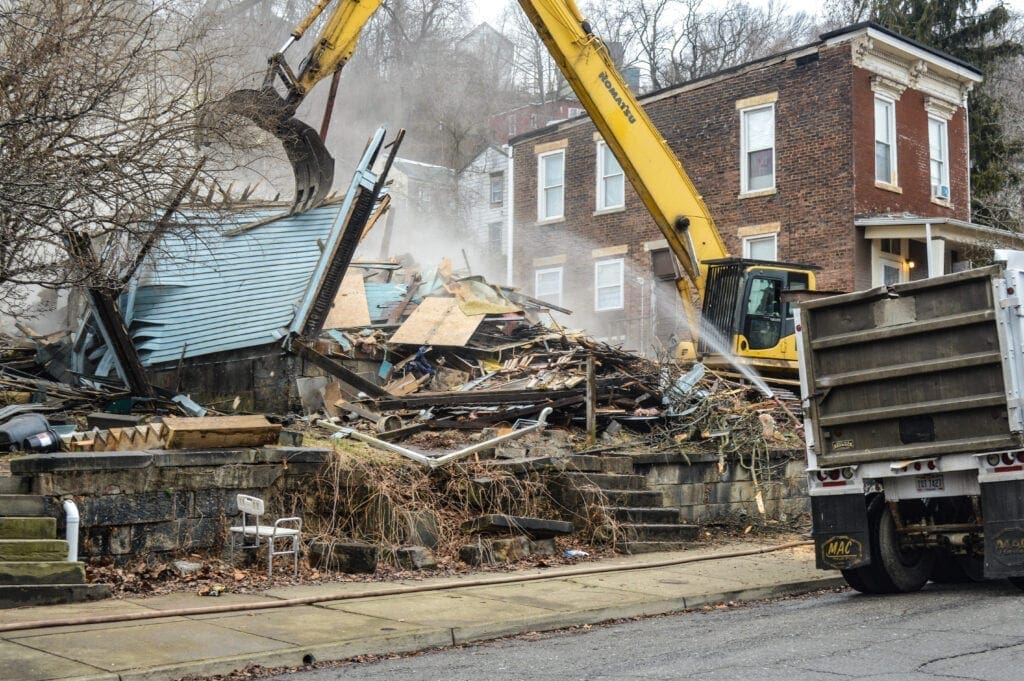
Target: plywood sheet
pixel 437 321
pixel 350 308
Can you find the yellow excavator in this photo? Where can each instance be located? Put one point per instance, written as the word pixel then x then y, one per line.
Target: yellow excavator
pixel 743 316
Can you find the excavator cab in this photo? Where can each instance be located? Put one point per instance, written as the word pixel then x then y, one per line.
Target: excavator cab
pixel 744 315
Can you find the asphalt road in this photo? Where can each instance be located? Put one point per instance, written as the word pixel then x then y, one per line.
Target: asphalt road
pixel 944 632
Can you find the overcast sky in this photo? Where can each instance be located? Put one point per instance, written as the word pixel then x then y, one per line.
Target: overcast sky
pixel 490 10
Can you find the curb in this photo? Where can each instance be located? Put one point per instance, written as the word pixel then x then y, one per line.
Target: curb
pixel 297 656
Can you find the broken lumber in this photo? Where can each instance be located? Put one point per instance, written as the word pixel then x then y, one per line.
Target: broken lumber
pixel 212 432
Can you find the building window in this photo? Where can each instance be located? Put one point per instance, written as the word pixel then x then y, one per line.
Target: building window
pixel 885 141
pixel 761 247
pixel 547 285
pixel 551 185
pixel 494 232
pixel 938 153
pixel 611 181
pixel 609 289
pixel 757 154
pixel 497 188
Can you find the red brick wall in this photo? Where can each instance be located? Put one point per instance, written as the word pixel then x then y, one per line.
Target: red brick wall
pixel 911 156
pixel 820 139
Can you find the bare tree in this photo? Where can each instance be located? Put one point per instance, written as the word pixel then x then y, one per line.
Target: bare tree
pixel 99 121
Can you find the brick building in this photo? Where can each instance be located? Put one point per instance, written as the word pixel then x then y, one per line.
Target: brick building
pixel 850 153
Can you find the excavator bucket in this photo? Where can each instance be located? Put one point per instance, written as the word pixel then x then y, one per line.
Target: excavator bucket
pixel 312 165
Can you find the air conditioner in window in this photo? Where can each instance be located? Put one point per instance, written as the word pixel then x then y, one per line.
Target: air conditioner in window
pixel 940 191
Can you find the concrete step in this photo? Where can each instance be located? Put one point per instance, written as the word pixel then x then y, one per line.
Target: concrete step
pixel 42 572
pixel 658 532
pixel 17 596
pixel 27 505
pixel 623 497
pixel 16 484
pixel 607 480
pixel 33 549
pixel 590 463
pixel 633 547
pixel 625 514
pixel 15 527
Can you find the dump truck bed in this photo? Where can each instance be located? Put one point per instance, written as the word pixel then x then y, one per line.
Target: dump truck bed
pixel 916 370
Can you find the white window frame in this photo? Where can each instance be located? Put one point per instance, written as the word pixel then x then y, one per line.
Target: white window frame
pixel 748 240
pixel 554 299
pixel 542 215
pixel 621 285
pixel 499 186
pixel 893 179
pixel 937 189
pixel 745 149
pixel 603 177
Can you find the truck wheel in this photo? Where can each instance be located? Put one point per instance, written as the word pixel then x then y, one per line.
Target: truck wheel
pixel 1017 582
pixel 872 579
pixel 908 569
pixel 956 569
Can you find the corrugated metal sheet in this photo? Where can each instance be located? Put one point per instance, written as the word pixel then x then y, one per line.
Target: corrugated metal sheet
pixel 207 292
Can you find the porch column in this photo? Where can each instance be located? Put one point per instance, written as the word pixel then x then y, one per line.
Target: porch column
pixel 936 250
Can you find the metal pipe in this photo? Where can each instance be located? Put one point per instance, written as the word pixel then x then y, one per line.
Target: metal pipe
pixel 394 591
pixel 71 519
pixel 431 461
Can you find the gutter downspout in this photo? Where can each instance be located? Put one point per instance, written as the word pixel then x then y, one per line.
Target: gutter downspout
pixel 71 533
pixel 430 461
pixel 510 214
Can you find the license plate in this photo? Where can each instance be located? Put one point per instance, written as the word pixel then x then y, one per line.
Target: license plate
pixel 930 483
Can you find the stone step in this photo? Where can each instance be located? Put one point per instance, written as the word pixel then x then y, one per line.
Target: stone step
pixel 589 463
pixel 608 480
pixel 625 514
pixel 633 547
pixel 16 596
pixel 26 505
pixel 14 527
pixel 658 532
pixel 42 572
pixel 623 497
pixel 16 484
pixel 33 549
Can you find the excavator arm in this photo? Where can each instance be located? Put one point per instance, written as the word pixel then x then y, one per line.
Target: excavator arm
pixel 645 157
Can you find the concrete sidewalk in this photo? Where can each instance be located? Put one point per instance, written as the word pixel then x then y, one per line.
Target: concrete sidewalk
pixel 171 648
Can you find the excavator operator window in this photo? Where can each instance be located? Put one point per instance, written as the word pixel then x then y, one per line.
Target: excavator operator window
pixel 763 324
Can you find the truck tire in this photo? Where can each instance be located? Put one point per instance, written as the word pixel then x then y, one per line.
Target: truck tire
pixel 956 569
pixel 907 569
pixel 872 579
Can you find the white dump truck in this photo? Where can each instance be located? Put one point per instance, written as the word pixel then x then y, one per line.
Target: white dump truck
pixel 914 428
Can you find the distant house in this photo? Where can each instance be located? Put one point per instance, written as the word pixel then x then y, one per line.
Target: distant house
pixel 530 117
pixel 482 188
pixel 490 48
pixel 850 153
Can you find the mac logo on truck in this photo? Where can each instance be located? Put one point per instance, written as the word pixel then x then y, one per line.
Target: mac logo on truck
pixel 841 551
pixel 1009 546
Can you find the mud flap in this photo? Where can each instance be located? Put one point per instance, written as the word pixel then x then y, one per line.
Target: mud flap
pixel 841 535
pixel 1002 505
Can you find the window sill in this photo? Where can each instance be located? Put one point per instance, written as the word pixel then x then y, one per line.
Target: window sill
pixel 759 192
pixel 609 309
pixel 550 221
pixel 609 211
pixel 894 188
pixel 945 203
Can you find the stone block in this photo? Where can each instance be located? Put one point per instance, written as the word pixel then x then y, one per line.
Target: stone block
pixel 476 554
pixel 290 438
pixel 543 547
pixel 421 528
pixel 33 549
pixel 351 557
pixel 148 538
pixel 28 528
pixel 197 457
pixel 292 455
pixel 128 509
pixel 510 452
pixel 510 550
pixel 79 461
pixel 415 558
pixel 536 528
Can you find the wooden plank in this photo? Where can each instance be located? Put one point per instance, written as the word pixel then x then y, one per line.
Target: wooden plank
pixel 350 308
pixel 335 368
pixel 437 321
pixel 210 432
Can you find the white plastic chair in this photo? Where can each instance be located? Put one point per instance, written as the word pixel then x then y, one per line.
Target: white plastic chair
pixel 251 509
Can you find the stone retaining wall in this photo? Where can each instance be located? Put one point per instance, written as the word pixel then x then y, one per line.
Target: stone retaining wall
pixel 695 486
pixel 135 504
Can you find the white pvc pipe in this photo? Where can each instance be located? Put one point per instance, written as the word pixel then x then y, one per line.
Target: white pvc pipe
pixel 434 462
pixel 71 518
